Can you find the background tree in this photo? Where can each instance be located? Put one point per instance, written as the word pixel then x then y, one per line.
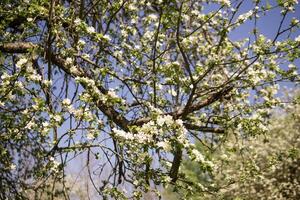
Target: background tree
pixel 261 167
pixel 133 84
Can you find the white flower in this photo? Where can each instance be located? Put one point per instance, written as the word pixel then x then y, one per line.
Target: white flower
pixel 30 125
pixel 297 39
pixel 29 19
pixel 25 112
pixel 112 94
pixel 19 84
pixel 90 136
pixel 136 182
pixel 142 137
pixel 66 102
pixel 77 21
pixel 77 113
pixel 153 17
pixel 35 77
pixel 74 70
pixel 21 62
pixel 148 34
pixel 81 42
pixel 55 166
pixel 117 53
pixel 5 76
pixel 173 92
pixel 90 29
pixel 292 66
pixel 123 134
pixel 84 80
pixel 225 2
pixel 245 16
pixel 198 156
pixel 132 7
pixel 179 122
pixel 69 61
pixel 107 37
pixel 57 118
pixel 295 73
pixel 12 167
pixel 160 121
pixel 45 124
pixel 47 83
pixel 169 120
pixel 164 145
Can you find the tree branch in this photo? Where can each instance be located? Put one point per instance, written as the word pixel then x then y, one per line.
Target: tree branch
pixel 194 107
pixel 109 111
pixel 203 128
pixel 16 47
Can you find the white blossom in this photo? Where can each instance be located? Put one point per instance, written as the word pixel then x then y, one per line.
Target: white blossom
pixel 57 118
pixel 90 29
pixel 153 17
pixel 245 16
pixel 107 37
pixel 5 76
pixel 179 122
pixel 77 21
pixel 21 62
pixel 35 77
pixel 12 167
pixel 19 84
pixel 122 134
pixel 90 136
pixel 74 70
pixel 66 102
pixel 47 83
pixel 164 145
pixel 81 42
pixel 45 124
pixel 30 125
pixel 164 119
pixel 69 61
pixel 198 156
pixel 173 92
pixel 112 94
pixel 224 2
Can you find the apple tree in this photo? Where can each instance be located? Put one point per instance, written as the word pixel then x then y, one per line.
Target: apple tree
pixel 131 85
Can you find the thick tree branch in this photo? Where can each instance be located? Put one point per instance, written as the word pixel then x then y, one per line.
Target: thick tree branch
pixel 176 164
pixel 211 99
pixel 17 47
pixel 203 128
pixel 194 107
